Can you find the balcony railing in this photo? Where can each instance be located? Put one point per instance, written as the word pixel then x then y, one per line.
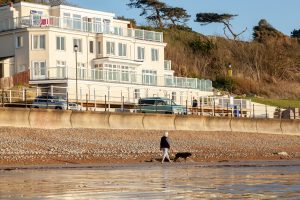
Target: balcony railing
pixel 78 25
pixel 118 76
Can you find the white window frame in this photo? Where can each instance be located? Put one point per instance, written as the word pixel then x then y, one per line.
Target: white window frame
pixel 154 54
pixel 137 93
pixel 122 49
pixel 110 48
pixel 99 49
pixel 78 42
pixel 39 67
pixel 19 42
pixel 62 45
pixel 141 53
pixel 39 44
pixel 92 47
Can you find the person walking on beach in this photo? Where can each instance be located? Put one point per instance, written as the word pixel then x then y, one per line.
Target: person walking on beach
pixel 165 146
pixel 194 106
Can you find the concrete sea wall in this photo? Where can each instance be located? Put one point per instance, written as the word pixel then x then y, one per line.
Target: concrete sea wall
pixel 54 119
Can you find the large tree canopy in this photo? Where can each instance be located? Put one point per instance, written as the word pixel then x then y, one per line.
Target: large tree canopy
pixel 159 13
pixel 295 33
pixel 207 18
pixel 176 15
pixel 151 9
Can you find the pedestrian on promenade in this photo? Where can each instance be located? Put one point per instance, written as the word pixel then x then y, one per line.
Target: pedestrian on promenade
pixel 165 147
pixel 194 105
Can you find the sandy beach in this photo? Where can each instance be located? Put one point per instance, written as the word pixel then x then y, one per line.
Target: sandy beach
pixel 24 147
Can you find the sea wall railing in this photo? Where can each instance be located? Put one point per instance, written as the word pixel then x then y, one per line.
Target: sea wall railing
pixel 103 100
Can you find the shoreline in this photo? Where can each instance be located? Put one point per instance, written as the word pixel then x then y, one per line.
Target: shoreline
pixel 23 147
pixel 138 166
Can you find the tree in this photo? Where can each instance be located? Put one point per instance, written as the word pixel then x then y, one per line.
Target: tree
pixel 295 33
pixel 177 16
pixel 152 9
pixel 265 31
pixel 208 18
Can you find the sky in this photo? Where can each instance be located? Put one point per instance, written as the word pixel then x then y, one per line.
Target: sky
pixel 283 15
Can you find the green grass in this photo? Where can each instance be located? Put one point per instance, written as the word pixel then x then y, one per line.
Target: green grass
pixel 282 103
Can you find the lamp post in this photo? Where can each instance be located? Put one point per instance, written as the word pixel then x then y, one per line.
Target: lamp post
pixel 76 50
pixel 230 76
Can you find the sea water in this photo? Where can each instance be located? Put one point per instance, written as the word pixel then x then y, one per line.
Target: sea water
pixel 246 180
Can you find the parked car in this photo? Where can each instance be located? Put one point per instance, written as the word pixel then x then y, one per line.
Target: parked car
pixel 74 106
pixel 160 105
pixel 49 102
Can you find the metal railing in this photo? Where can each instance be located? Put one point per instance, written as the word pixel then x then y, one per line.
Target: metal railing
pixel 105 101
pixel 119 76
pixel 78 25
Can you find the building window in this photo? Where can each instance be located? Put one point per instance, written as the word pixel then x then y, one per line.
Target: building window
pixel 67 20
pixel 77 22
pixel 61 69
pixel 78 42
pixel 174 96
pixel 91 46
pixel 60 43
pixel 19 41
pixel 99 47
pixel 39 42
pixel 141 53
pixel 122 49
pixel 137 93
pixel 154 54
pixel 149 77
pixel 82 71
pixel 110 48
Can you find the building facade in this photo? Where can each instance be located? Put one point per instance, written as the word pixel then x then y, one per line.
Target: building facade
pixel 111 58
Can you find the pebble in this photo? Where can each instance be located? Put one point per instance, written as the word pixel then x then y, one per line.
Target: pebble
pixel 18 145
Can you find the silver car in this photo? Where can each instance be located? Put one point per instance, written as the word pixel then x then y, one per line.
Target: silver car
pixel 50 102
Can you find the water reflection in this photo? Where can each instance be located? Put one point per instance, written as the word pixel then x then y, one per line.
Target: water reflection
pixel 155 181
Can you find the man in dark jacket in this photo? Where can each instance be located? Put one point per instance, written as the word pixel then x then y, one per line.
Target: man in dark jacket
pixel 165 146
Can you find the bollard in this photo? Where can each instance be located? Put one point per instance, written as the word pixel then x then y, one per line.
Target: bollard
pixel 25 98
pixel 186 107
pixel 47 100
pixel 241 112
pixel 122 103
pixel 253 113
pixel 214 111
pixel 266 112
pixel 227 109
pixel 86 102
pixel 105 102
pixel 2 98
pixel 68 101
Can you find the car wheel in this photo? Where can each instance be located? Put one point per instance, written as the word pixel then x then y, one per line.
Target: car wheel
pixel 58 108
pixel 35 107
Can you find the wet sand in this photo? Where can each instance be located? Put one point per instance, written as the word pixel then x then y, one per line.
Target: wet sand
pixel 21 147
pixel 233 180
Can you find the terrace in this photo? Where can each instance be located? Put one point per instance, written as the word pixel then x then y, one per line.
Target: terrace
pixel 83 25
pixel 118 76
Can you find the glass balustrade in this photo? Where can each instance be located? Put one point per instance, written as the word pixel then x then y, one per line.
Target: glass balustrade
pixel 78 25
pixel 121 76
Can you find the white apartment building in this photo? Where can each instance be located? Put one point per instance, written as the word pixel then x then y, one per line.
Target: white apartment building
pixel 112 58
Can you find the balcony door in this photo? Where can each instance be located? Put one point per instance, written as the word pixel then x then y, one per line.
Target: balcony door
pixel 39 70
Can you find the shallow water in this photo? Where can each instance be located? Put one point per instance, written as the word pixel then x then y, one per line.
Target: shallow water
pixel 155 181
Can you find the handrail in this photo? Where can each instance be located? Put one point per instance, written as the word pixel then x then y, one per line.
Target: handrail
pixel 78 25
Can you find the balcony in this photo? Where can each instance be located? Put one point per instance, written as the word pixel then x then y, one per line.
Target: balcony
pixel 78 25
pixel 118 76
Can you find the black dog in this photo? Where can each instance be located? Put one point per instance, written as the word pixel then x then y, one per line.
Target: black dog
pixel 184 155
